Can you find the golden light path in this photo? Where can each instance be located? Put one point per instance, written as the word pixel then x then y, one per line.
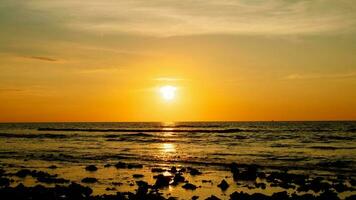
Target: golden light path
pixel 168 147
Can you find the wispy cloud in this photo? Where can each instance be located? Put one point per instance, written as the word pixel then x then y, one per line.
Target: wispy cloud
pixel 168 79
pixel 320 76
pixel 6 90
pixel 42 58
pixel 174 17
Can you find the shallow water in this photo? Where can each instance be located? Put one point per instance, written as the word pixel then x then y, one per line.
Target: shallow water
pixel 322 148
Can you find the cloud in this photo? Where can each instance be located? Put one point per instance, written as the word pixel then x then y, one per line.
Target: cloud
pixel 175 17
pixel 42 58
pixel 5 90
pixel 320 76
pixel 167 79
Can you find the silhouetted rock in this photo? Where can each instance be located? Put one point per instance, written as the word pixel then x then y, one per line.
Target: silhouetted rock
pixel 162 181
pixel 23 173
pixel 134 166
pixel 261 175
pixel 280 195
pixel 89 180
pixel 158 170
pixel 52 167
pixel 138 176
pixel 178 179
pixel 250 174
pixel 223 185
pixel 260 185
pixel 189 186
pixel 77 191
pixel 173 170
pixel 120 165
pixel 193 171
pixel 352 197
pixel 48 179
pixel 328 195
pixel 117 183
pixel 110 189
pixel 142 188
pixel 243 196
pixel 234 168
pixel 212 197
pixel 195 197
pixel 4 182
pixel 91 168
pixel 182 170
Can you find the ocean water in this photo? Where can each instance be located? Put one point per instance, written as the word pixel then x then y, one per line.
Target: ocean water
pixel 320 147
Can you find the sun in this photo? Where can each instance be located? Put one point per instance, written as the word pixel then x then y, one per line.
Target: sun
pixel 168 92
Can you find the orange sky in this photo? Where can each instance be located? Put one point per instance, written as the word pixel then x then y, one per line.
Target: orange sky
pixel 273 60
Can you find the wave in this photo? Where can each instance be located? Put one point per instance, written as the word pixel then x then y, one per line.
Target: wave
pixel 16 135
pixel 233 130
pixel 128 135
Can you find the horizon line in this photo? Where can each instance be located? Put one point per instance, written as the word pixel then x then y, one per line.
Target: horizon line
pixel 193 121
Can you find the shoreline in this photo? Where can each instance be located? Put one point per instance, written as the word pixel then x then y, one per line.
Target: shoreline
pixel 175 182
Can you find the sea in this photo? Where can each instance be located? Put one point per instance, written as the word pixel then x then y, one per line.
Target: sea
pixel 318 147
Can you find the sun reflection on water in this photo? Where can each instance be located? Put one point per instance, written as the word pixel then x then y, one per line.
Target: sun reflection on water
pixel 168 148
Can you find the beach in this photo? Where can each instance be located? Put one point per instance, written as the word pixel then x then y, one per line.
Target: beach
pixel 186 160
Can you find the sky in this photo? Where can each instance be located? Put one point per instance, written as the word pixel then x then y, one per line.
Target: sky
pixel 234 60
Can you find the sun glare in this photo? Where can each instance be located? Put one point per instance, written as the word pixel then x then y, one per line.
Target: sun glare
pixel 168 92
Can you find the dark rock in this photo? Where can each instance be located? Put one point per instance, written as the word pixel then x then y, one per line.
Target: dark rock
pixel 117 183
pixel 89 180
pixel 280 195
pixel 76 191
pixel 158 170
pixel 134 166
pixel 182 170
pixel 4 182
pixel 142 183
pixel 189 186
pixel 340 187
pixel 47 179
pixel 173 170
pixel 352 182
pixel 250 174
pixel 352 197
pixel 91 168
pixel 261 175
pixel 328 195
pixel 286 185
pixel 52 167
pixel 138 176
pixel 23 173
pixel 234 168
pixel 194 172
pixel 107 165
pixel 260 185
pixel 212 197
pixel 178 179
pixel 162 181
pixel 223 185
pixel 195 197
pixel 142 188
pixel 302 197
pixel 110 189
pixel 120 165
